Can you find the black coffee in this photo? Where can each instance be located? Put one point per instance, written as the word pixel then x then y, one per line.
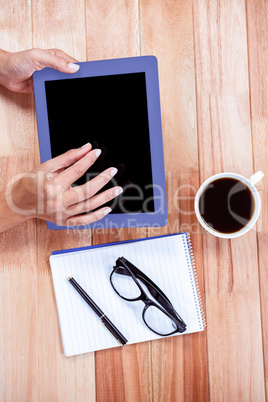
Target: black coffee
pixel 226 205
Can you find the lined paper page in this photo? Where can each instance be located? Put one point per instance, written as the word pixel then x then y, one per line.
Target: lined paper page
pixel 166 260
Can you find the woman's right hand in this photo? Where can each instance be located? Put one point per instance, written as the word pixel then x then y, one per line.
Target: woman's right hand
pixel 46 192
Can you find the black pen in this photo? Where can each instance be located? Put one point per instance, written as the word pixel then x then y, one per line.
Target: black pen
pixel 104 319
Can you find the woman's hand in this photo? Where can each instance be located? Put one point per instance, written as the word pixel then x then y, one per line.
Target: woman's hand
pixel 16 69
pixel 46 192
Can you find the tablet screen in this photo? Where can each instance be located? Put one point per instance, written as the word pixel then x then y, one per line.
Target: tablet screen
pixel 111 113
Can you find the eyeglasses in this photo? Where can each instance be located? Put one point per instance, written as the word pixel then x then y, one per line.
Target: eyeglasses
pixel 160 316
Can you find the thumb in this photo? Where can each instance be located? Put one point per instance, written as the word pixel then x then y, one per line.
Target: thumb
pixel 46 58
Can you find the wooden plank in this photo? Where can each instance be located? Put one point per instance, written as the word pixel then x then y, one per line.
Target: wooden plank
pixel 16 25
pixel 112 29
pixel 231 267
pixel 18 305
pixel 59 25
pixel 19 346
pixel 113 32
pixel 258 56
pixel 167 32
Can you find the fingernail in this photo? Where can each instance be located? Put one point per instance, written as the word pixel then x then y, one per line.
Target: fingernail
pixel 107 211
pixel 118 191
pixel 85 145
pixel 73 67
pixel 97 152
pixel 113 171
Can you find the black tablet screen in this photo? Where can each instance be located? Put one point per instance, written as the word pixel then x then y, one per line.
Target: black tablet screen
pixel 111 113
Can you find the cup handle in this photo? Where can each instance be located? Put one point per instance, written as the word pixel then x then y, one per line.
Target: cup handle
pixel 254 179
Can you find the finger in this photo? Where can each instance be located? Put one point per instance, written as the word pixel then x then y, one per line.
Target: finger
pixel 87 190
pixel 66 159
pixel 74 172
pixel 82 220
pixel 43 58
pixel 94 202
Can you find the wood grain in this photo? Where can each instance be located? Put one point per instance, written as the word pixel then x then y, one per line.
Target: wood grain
pixel 112 29
pixel 231 267
pixel 18 299
pixel 58 25
pixel 113 32
pixel 257 34
pixel 184 359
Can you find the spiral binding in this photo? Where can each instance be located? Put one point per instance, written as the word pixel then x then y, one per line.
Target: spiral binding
pixel 187 244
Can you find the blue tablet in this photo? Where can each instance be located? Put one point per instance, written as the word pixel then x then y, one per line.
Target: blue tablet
pixel 114 105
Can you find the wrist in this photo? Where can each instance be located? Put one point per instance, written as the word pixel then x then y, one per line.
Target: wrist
pixel 21 196
pixel 8 216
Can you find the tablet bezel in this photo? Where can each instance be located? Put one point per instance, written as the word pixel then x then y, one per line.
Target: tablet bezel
pixel 148 65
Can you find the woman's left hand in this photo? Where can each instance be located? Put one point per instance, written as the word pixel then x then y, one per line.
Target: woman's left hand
pixel 16 69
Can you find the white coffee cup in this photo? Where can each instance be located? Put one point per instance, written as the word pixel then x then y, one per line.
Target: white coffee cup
pixel 250 183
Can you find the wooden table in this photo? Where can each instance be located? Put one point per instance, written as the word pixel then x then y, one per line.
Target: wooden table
pixel 213 58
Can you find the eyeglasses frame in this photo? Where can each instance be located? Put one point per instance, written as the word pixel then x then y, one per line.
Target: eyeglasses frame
pixel 162 299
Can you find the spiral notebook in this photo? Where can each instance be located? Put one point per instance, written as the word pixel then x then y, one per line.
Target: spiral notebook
pixel 168 260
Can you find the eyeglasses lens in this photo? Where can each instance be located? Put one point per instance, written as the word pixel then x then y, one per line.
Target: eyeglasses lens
pixel 125 284
pixel 158 321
